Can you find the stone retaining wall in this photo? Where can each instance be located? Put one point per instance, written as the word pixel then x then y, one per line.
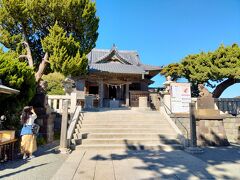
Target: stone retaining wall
pixel 232 128
pixel 231 125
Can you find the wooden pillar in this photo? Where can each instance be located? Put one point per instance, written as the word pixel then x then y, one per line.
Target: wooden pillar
pixel 127 95
pixel 118 92
pixel 101 93
pixel 121 91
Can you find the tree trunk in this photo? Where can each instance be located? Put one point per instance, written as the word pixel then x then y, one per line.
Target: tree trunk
pixel 28 56
pixel 42 65
pixel 224 85
pixel 41 68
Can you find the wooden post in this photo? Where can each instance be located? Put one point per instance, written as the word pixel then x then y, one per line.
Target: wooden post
pixel 193 134
pixel 127 95
pixel 63 139
pixel 100 93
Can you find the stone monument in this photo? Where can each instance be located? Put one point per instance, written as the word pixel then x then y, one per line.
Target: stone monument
pixel 210 130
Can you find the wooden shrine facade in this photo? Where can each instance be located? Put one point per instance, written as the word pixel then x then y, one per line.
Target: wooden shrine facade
pixel 115 77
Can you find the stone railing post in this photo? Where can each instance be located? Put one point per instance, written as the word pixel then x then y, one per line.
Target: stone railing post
pixel 73 102
pixel 143 103
pixel 63 138
pixel 193 134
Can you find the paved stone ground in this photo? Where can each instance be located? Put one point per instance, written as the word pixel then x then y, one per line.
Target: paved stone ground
pixel 42 167
pixel 214 163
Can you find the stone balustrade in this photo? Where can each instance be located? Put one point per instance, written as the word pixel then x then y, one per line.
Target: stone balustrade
pixel 55 102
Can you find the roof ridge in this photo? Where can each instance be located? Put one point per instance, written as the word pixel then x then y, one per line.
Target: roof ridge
pixel 124 51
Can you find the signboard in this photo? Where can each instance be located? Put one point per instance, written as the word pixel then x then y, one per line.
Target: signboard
pixel 180 97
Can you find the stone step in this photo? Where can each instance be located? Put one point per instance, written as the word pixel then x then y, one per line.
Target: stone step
pixel 141 141
pixel 165 147
pixel 134 119
pixel 126 130
pixel 124 115
pixel 147 126
pixel 122 112
pixel 86 121
pixel 127 135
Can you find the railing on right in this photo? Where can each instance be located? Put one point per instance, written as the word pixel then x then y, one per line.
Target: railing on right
pixel 73 122
pixel 167 112
pixel 228 105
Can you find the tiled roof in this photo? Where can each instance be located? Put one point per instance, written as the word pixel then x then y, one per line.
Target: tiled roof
pixel 130 62
pixel 116 68
pixel 97 54
pixel 147 67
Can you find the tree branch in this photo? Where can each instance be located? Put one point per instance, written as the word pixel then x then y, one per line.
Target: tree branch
pixel 41 68
pixel 29 54
pixel 224 85
pixel 23 56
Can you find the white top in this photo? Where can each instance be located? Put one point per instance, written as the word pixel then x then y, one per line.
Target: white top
pixel 31 119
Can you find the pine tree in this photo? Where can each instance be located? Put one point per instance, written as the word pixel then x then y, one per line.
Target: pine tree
pixel 49 31
pixel 218 69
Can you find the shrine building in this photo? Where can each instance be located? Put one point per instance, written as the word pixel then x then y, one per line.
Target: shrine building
pixel 115 78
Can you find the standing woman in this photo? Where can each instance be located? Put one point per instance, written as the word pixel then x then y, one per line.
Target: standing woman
pixel 28 143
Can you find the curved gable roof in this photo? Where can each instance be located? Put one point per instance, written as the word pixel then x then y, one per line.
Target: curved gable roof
pixel 101 55
pixel 113 52
pixel 102 60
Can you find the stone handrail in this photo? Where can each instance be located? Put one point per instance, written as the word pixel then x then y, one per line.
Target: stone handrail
pixel 78 112
pixel 167 111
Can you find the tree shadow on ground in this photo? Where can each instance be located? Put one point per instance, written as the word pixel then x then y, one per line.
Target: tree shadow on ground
pixel 220 155
pixel 18 161
pixel 175 164
pixel 23 170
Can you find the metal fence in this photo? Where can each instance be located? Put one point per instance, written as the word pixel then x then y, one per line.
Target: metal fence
pixel 228 105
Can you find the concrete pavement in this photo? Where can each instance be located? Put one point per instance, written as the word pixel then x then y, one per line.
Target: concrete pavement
pixel 42 167
pixel 214 163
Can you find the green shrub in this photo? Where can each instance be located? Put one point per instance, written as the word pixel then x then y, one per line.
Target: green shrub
pixel 20 76
pixel 54 83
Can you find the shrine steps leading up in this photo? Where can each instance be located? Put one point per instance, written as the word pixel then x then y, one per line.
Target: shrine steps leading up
pixel 125 130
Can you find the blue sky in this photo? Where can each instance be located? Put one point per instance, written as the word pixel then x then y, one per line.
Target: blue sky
pixel 165 31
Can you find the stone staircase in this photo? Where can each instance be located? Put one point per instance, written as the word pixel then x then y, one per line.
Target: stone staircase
pixel 125 129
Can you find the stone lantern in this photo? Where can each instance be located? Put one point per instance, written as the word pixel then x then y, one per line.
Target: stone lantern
pixel 167 85
pixel 68 85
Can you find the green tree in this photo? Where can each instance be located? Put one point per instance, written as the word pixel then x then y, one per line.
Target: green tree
pixel 218 69
pixel 49 31
pixel 19 75
pixel 54 81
